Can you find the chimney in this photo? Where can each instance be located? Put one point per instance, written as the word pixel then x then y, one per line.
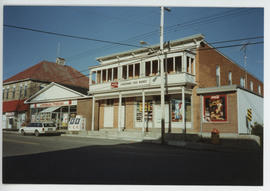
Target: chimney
pixel 60 61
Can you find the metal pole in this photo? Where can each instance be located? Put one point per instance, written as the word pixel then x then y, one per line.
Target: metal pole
pixel 162 100
pixel 93 113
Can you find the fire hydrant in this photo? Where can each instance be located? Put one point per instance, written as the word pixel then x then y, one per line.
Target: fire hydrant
pixel 215 136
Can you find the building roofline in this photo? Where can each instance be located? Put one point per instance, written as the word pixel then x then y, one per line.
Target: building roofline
pixel 47 87
pixel 231 60
pixel 145 49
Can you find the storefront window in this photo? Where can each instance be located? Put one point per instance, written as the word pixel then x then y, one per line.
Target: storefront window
pixel 148 111
pixel 177 110
pixel 215 108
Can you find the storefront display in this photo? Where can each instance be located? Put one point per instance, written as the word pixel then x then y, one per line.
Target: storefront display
pixel 215 108
pixel 177 115
pixel 148 111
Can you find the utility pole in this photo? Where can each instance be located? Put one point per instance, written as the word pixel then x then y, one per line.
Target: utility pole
pixel 162 100
pixel 162 97
pixel 244 48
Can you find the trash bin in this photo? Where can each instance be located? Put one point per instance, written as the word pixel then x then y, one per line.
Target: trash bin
pixel 215 136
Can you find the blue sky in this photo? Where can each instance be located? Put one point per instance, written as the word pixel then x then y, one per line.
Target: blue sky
pixel 22 49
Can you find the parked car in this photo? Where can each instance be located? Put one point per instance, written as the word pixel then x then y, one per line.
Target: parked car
pixel 39 128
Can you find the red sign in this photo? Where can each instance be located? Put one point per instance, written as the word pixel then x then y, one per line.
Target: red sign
pixel 114 84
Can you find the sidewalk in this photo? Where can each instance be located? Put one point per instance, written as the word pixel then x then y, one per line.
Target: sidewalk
pixel 228 142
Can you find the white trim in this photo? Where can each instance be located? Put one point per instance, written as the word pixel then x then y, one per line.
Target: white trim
pixel 47 87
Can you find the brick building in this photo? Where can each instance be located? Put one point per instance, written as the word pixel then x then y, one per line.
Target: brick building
pixel 204 89
pixel 23 85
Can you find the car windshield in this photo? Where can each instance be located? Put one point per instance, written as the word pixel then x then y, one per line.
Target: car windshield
pixel 48 125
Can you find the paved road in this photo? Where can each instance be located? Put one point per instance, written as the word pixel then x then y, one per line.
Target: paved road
pixel 71 160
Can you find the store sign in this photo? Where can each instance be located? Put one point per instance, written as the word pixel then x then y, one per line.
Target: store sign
pixel 132 83
pixel 54 104
pixel 114 84
pixel 177 110
pixel 215 108
pixel 10 114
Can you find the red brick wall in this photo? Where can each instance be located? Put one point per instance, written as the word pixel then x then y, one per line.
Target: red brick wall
pixel 207 60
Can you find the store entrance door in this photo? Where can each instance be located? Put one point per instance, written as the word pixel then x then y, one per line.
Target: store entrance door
pixel 108 117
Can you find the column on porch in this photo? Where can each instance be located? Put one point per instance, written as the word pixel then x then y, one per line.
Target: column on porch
pixel 119 111
pixel 93 114
pixel 184 109
pixel 143 106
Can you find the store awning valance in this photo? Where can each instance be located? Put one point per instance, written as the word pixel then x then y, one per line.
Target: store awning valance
pixel 50 109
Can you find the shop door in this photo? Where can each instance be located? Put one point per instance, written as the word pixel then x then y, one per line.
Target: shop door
pixel 123 117
pixel 108 116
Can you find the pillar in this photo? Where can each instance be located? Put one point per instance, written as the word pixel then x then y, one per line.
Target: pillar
pixel 183 109
pixel 143 106
pixel 93 114
pixel 119 111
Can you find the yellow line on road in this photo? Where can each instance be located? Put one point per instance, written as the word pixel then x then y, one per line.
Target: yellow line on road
pixel 23 142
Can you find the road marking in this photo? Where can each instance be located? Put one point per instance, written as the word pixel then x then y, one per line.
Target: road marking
pixel 23 142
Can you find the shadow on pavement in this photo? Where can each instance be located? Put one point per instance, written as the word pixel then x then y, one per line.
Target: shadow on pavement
pixel 135 164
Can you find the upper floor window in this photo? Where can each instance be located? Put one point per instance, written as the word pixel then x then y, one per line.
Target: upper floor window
pixel 124 72
pixel 251 86
pixel 3 93
pixel 137 70
pixel 130 71
pixel 25 90
pixel 259 90
pixel 218 75
pixel 115 74
pixel 7 91
pixel 13 92
pixel 230 78
pixel 20 93
pixel 190 63
pixel 98 76
pixel 242 82
pixel 178 64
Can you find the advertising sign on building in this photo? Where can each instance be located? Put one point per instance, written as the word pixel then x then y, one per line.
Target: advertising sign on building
pixel 177 110
pixel 215 108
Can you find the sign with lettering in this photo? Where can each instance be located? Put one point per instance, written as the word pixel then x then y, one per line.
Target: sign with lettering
pixel 54 104
pixel 134 83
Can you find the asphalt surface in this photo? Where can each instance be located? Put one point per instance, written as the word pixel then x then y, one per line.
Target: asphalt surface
pixel 72 160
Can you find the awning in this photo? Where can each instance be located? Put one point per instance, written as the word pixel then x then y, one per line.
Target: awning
pixel 50 109
pixel 13 106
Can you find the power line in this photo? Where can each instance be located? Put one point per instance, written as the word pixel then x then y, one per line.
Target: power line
pixel 71 36
pixel 170 28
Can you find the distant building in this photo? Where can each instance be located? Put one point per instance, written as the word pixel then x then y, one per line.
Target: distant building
pixel 204 89
pixel 23 85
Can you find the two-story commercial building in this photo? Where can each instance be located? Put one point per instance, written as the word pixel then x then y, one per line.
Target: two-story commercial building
pixel 201 89
pixel 20 87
